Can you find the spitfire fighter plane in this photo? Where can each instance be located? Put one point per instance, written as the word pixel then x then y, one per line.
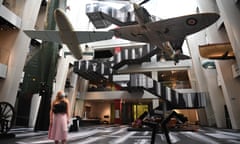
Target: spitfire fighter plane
pixel 168 35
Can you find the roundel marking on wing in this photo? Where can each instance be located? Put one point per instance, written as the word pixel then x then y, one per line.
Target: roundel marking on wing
pixel 191 21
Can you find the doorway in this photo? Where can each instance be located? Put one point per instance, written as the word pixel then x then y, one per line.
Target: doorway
pixel 139 109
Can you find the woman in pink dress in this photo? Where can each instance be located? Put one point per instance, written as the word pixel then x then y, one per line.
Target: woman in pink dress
pixel 59 119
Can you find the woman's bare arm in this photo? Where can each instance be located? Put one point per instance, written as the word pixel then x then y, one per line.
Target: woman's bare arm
pixel 51 114
pixel 68 109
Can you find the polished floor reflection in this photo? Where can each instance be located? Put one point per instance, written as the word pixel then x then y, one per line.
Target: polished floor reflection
pixel 108 134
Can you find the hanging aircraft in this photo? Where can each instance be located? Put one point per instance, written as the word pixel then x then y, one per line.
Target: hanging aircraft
pixel 67 35
pixel 168 35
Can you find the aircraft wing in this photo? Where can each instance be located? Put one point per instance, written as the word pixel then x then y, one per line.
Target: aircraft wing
pixel 82 36
pixel 173 29
pixel 87 36
pixel 179 27
pixel 132 33
pixel 46 35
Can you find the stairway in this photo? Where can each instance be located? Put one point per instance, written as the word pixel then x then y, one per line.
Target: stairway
pixel 96 70
pixel 177 100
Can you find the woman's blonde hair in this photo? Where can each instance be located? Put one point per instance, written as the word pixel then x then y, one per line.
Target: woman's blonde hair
pixel 60 95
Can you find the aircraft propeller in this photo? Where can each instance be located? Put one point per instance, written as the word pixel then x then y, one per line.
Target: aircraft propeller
pixel 137 3
pixel 143 2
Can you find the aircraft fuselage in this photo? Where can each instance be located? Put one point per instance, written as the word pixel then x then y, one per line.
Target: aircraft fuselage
pixel 67 34
pixel 154 37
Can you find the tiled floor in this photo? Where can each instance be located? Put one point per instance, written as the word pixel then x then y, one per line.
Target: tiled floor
pixel 120 135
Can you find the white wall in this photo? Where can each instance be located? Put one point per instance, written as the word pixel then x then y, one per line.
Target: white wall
pixel 214 35
pixel 230 87
pixel 9 86
pixel 216 97
pixel 197 73
pixel 230 12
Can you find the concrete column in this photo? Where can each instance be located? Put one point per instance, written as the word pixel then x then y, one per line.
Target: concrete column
pixel 207 117
pixel 35 103
pixel 216 97
pixel 194 41
pixel 78 109
pixel 155 75
pixel 230 13
pixel 214 35
pixel 82 86
pixel 207 6
pixel 155 102
pixel 230 87
pixel 73 91
pixel 9 86
pixel 62 73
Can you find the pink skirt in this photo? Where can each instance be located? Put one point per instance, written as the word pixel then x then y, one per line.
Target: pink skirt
pixel 59 129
